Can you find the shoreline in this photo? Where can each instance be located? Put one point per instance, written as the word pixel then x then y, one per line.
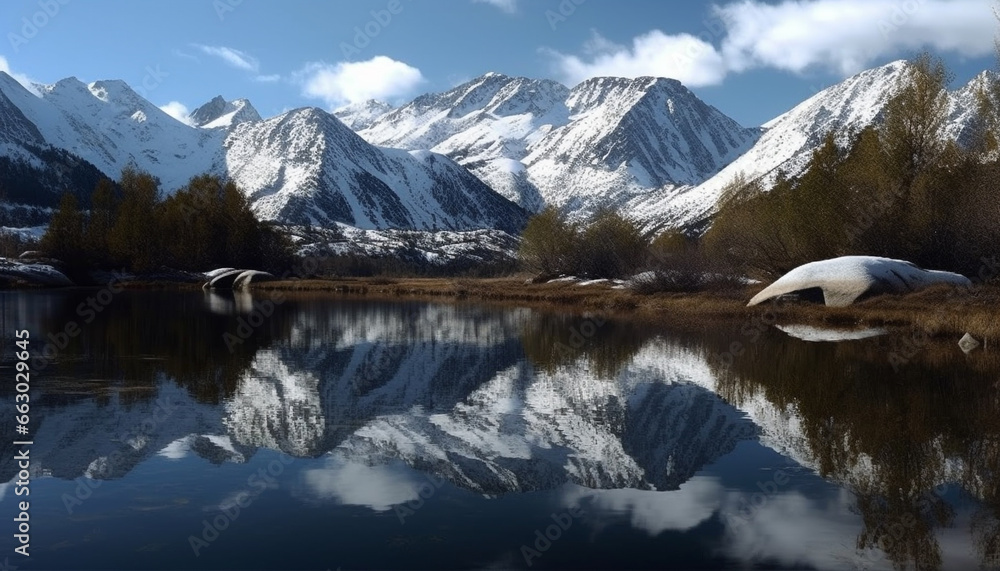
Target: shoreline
pixel 938 312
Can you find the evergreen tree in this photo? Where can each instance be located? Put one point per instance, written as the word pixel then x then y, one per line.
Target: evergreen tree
pixel 244 233
pixel 211 224
pixel 63 239
pixel 135 237
pixel 871 200
pixel 190 217
pixel 100 222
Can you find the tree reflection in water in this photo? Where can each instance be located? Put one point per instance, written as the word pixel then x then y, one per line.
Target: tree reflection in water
pixel 901 441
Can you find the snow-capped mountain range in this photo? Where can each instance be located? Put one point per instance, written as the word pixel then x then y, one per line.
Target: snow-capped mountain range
pixel 606 142
pixel 646 145
pixel 457 160
pixel 302 167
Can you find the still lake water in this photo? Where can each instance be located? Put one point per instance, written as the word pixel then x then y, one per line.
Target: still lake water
pixel 184 431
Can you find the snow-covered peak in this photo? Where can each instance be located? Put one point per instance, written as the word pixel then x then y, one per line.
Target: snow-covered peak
pixel 363 114
pixel 306 167
pixel 857 99
pixel 110 125
pixel 622 91
pixel 485 124
pixel 788 140
pixel 209 111
pixel 15 128
pixel 109 89
pixel 963 107
pixel 982 80
pixel 537 141
pixel 106 99
pixel 504 95
pixel 221 113
pixel 630 140
pixel 18 94
pixel 430 120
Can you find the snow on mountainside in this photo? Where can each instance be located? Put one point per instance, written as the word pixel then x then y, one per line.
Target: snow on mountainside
pixel 790 139
pixel 442 249
pixel 303 167
pixel 963 107
pixel 306 167
pixel 31 171
pixel 110 125
pixel 361 115
pixel 15 128
pixel 633 139
pixel 221 113
pixel 538 142
pixel 485 124
pixel 648 146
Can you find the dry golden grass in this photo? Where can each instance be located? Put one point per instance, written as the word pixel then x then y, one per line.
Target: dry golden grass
pixel 938 311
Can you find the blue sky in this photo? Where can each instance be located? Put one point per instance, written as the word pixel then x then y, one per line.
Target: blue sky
pixel 753 59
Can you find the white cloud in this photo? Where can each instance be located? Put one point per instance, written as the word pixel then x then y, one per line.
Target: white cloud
pixel 653 511
pixel 268 78
pixel 24 80
pixel 842 36
pixel 509 6
pixel 178 111
pixel 684 57
pixel 375 487
pixel 233 57
pixel 845 36
pixel 380 78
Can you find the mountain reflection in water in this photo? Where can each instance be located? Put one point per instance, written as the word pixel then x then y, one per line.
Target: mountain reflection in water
pixel 478 425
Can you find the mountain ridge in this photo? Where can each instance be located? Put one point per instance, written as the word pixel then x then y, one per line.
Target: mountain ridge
pixel 483 154
pixel 315 172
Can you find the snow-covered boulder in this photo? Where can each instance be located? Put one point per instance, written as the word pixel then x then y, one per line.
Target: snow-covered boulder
pixel 224 280
pixel 844 280
pixel 31 255
pixel 243 281
pixel 34 274
pixel 212 273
